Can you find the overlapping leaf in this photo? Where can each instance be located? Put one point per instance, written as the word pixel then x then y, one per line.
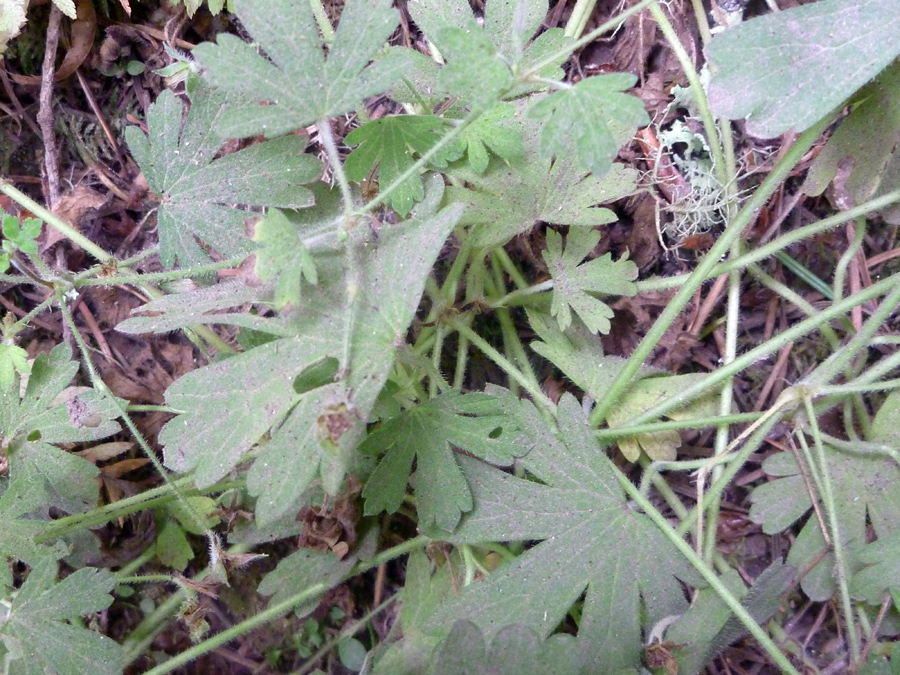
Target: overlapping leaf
pixel 475 423
pixel 38 632
pixel 574 280
pixel 283 258
pixel 315 431
pixel 389 144
pixel 509 197
pixel 583 121
pixel 789 69
pixel 197 191
pixel 594 543
pixel 866 488
pixel 297 86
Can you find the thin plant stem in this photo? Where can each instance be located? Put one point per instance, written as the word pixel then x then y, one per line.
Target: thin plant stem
pixel 157 277
pixel 281 608
pixel 101 387
pixel 770 249
pixel 772 345
pixel 55 222
pixel 323 126
pixel 579 18
pixel 844 262
pixel 640 355
pixel 325 27
pixel 705 571
pixel 613 433
pixel 837 543
pixel 538 396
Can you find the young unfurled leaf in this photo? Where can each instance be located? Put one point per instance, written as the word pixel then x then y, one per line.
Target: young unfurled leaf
pixel 583 120
pixel 474 422
pixel 866 491
pixel 480 62
pixel 390 143
pixel 197 192
pixel 574 280
pixel 283 257
pixel 39 634
pixel 298 86
pixel 508 198
pixel 21 236
pixel 789 69
pixel 595 545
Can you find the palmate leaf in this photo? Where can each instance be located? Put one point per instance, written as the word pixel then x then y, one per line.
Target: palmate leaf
pixel 38 633
pixel 298 86
pixel 510 197
pixel 866 489
pixel 475 423
pixel 574 280
pixel 789 69
pixel 594 543
pixel 197 192
pixel 581 120
pixel 389 144
pixel 487 133
pixel 481 62
pixel 315 432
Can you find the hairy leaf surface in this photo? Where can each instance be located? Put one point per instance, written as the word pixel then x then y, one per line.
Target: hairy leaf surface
pixel 574 280
pixel 593 542
pixel 315 432
pixel 509 197
pixel 474 422
pixel 789 69
pixel 579 120
pixel 197 191
pixel 38 632
pixel 299 86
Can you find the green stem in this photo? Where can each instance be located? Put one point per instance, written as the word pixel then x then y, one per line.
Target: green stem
pixel 327 138
pixel 154 277
pixel 279 609
pixel 770 249
pixel 614 433
pixel 528 385
pixel 579 18
pixel 744 217
pixel 840 559
pixel 769 347
pixel 55 222
pixel 706 572
pixel 322 21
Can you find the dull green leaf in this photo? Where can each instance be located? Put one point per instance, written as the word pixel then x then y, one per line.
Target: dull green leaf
pixel 573 280
pixel 594 543
pixel 579 120
pixel 283 258
pixel 316 432
pixel 866 490
pixel 390 144
pixel 475 423
pixel 296 86
pixel 198 192
pixel 861 158
pixel 12 358
pixel 38 633
pixel 787 70
pixel 644 395
pixel 488 134
pixel 509 197
pixel 708 626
